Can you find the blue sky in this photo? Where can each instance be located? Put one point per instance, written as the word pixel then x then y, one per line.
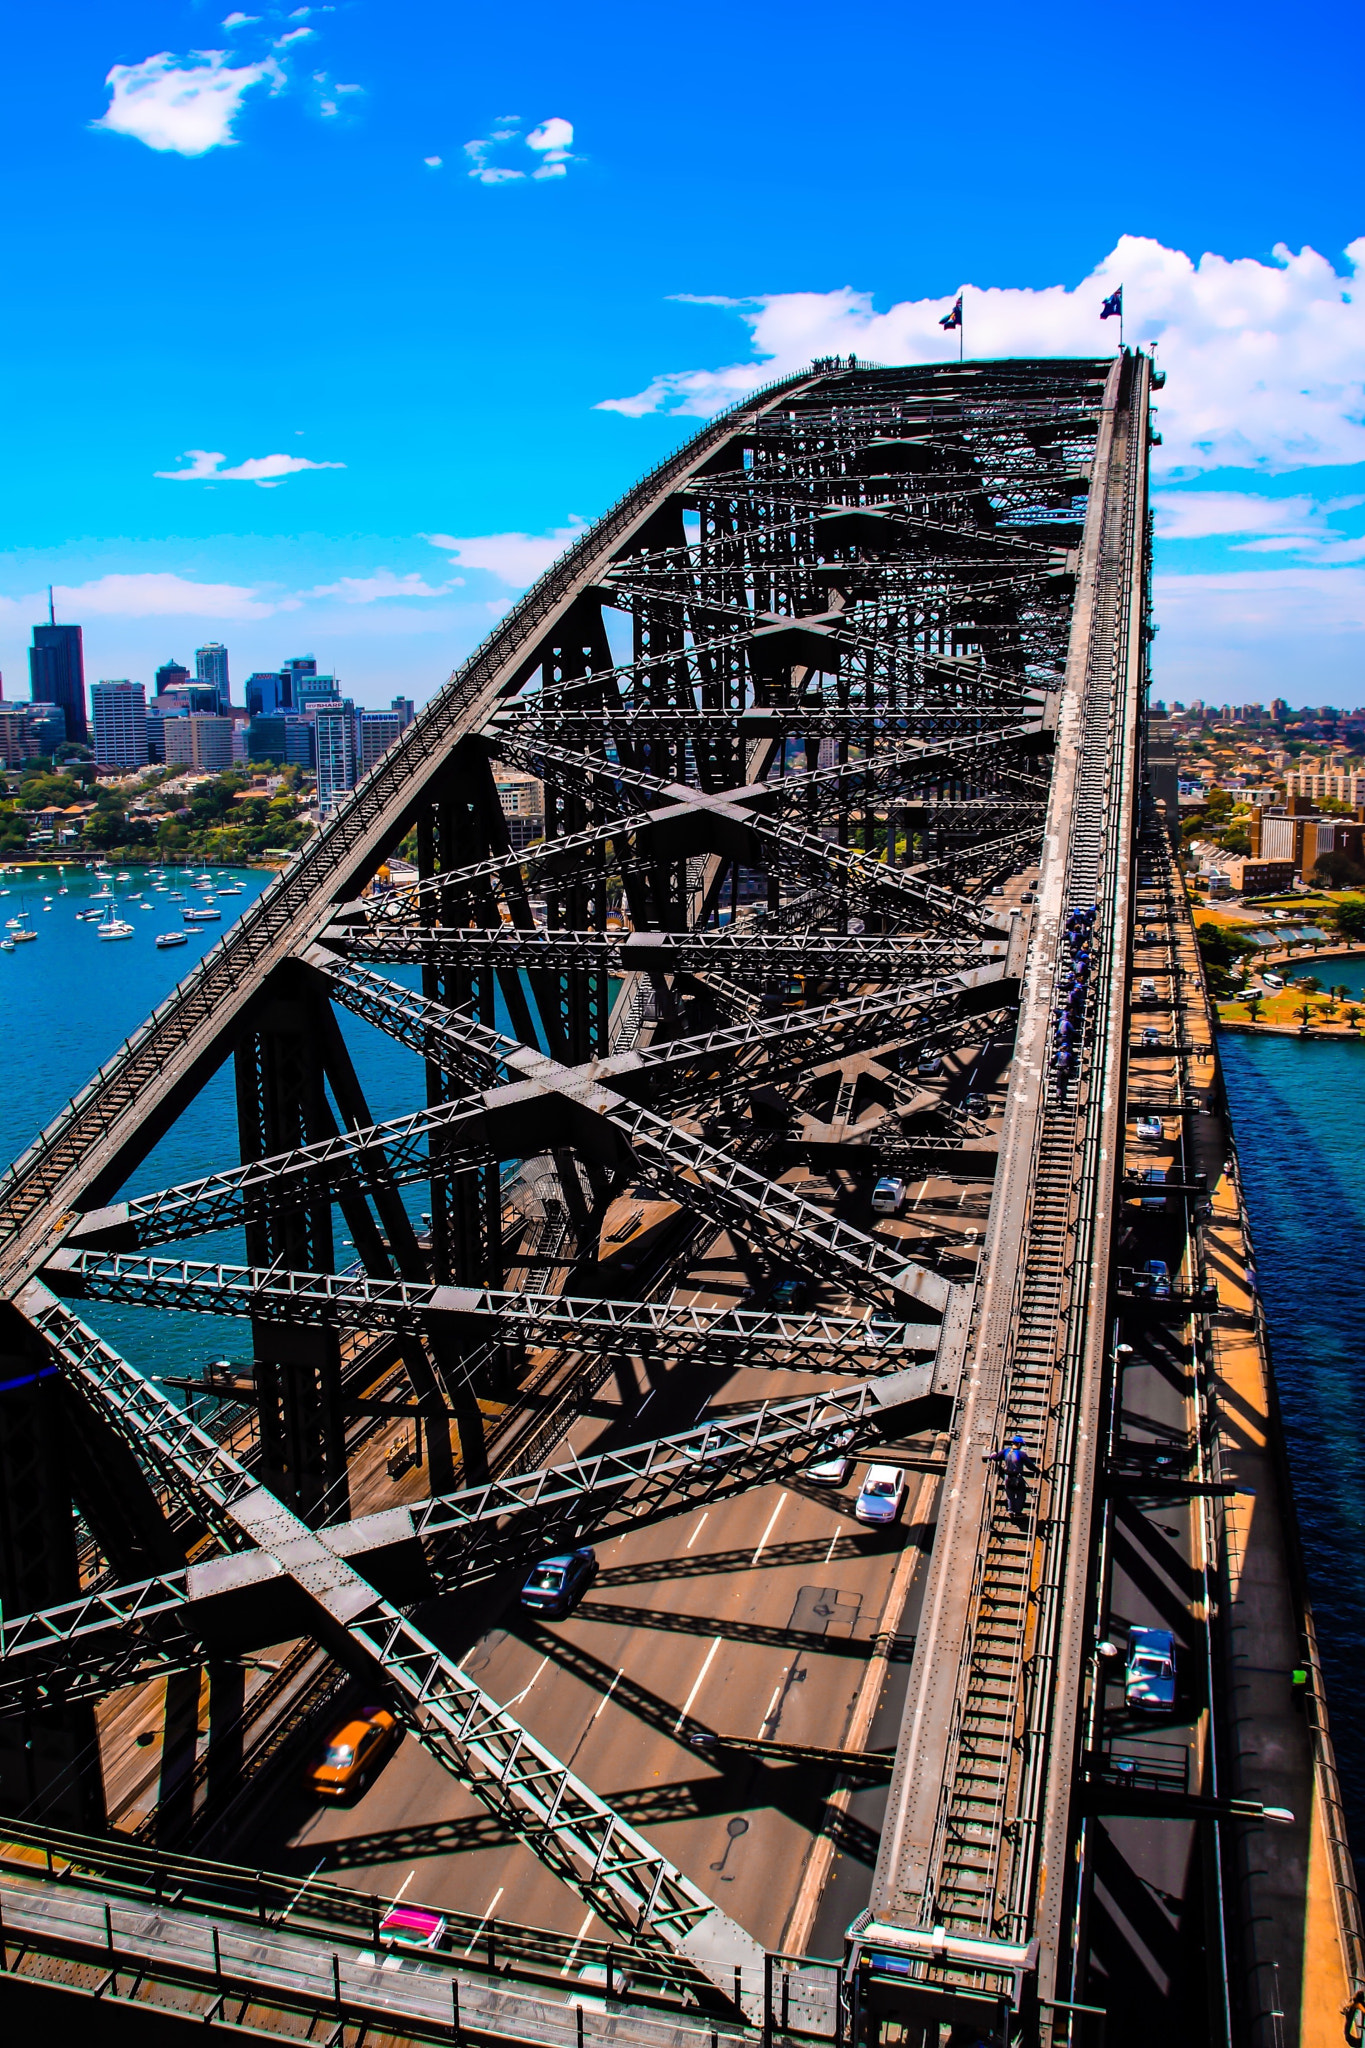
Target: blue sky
pixel 228 233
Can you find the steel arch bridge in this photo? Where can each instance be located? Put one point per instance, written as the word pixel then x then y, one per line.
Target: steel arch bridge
pixel 867 648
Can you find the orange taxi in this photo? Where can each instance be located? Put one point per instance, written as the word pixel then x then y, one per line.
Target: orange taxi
pixel 356 1752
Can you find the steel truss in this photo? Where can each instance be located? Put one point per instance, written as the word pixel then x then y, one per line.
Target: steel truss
pixel 848 605
pixel 87 1647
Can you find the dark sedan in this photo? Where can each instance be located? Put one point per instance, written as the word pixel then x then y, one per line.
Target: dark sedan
pixel 555 1586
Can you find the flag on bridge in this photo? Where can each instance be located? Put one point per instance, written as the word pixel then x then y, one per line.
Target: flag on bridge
pixel 1112 309
pixel 953 319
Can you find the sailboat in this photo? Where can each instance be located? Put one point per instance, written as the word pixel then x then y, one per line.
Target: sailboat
pixel 111 927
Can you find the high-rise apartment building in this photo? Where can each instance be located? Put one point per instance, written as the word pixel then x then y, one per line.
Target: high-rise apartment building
pixel 334 727
pixel 29 731
pixel 199 740
pixel 119 713
pixel 211 666
pixel 375 733
pixel 56 668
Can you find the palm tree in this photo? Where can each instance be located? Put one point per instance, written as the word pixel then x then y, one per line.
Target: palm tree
pixel 1305 1011
pixel 1253 1007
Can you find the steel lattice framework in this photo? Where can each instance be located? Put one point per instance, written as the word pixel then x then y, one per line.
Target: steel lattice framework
pixel 793 703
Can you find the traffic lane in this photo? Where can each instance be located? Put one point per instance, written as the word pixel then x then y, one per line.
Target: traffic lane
pixel 1147 1958
pixel 730 1660
pixel 848 1887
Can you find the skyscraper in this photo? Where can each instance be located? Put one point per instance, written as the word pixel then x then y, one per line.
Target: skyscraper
pixel 406 712
pixel 56 668
pixel 265 693
pixel 298 665
pixel 211 666
pixel 120 719
pixel 172 675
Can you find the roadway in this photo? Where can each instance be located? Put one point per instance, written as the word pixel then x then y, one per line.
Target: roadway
pixel 757 1617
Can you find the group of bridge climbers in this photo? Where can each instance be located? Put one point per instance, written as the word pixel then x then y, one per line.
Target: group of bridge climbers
pixel 1073 981
pixel 833 363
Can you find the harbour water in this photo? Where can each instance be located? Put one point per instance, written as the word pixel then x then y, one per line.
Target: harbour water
pixel 1296 1110
pixel 69 1000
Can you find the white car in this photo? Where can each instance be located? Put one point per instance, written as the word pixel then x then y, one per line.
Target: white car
pixel 888 1195
pixel 828 1471
pixel 1149 1129
pixel 1147 991
pixel 881 1495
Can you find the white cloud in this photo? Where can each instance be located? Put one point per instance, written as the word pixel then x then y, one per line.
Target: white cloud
pixel 205 466
pixel 1196 515
pixel 293 35
pixel 1266 361
pixel 240 20
pixel 187 104
pixel 554 134
pixel 514 558
pixel 489 154
pixel 383 584
pixel 155 594
pixel 432 162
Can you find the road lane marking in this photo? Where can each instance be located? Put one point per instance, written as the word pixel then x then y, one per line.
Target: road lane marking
pixel 832 1542
pixel 598 1708
pixel 700 1526
pixel 517 1698
pixel 781 1503
pixel 920 1196
pixel 777 1694
pixel 487 1916
pixel 687 1703
pixel 578 1939
pixel 403 1886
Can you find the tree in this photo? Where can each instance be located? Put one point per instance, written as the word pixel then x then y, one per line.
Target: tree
pixel 1254 1007
pixel 1350 918
pixel 1305 1011
pixel 1338 871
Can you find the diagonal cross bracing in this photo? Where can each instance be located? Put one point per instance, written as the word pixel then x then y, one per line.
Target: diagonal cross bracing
pixel 662 1330
pixel 576 1834
pixel 480 1533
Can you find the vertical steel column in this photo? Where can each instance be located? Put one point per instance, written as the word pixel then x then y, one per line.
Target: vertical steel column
pixel 281 1104
pixel 580 650
pixel 49 1755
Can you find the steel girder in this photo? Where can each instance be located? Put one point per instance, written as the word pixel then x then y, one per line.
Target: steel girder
pixel 576 1834
pixel 753 956
pixel 122 1634
pixel 662 1331
pixel 878 563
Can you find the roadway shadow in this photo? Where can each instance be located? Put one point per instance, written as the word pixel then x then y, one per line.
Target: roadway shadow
pixel 1147 1952
pixel 700 1564
pixel 732 1631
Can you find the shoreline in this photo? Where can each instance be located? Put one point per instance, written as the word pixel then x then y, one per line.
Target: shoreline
pixel 1337 1032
